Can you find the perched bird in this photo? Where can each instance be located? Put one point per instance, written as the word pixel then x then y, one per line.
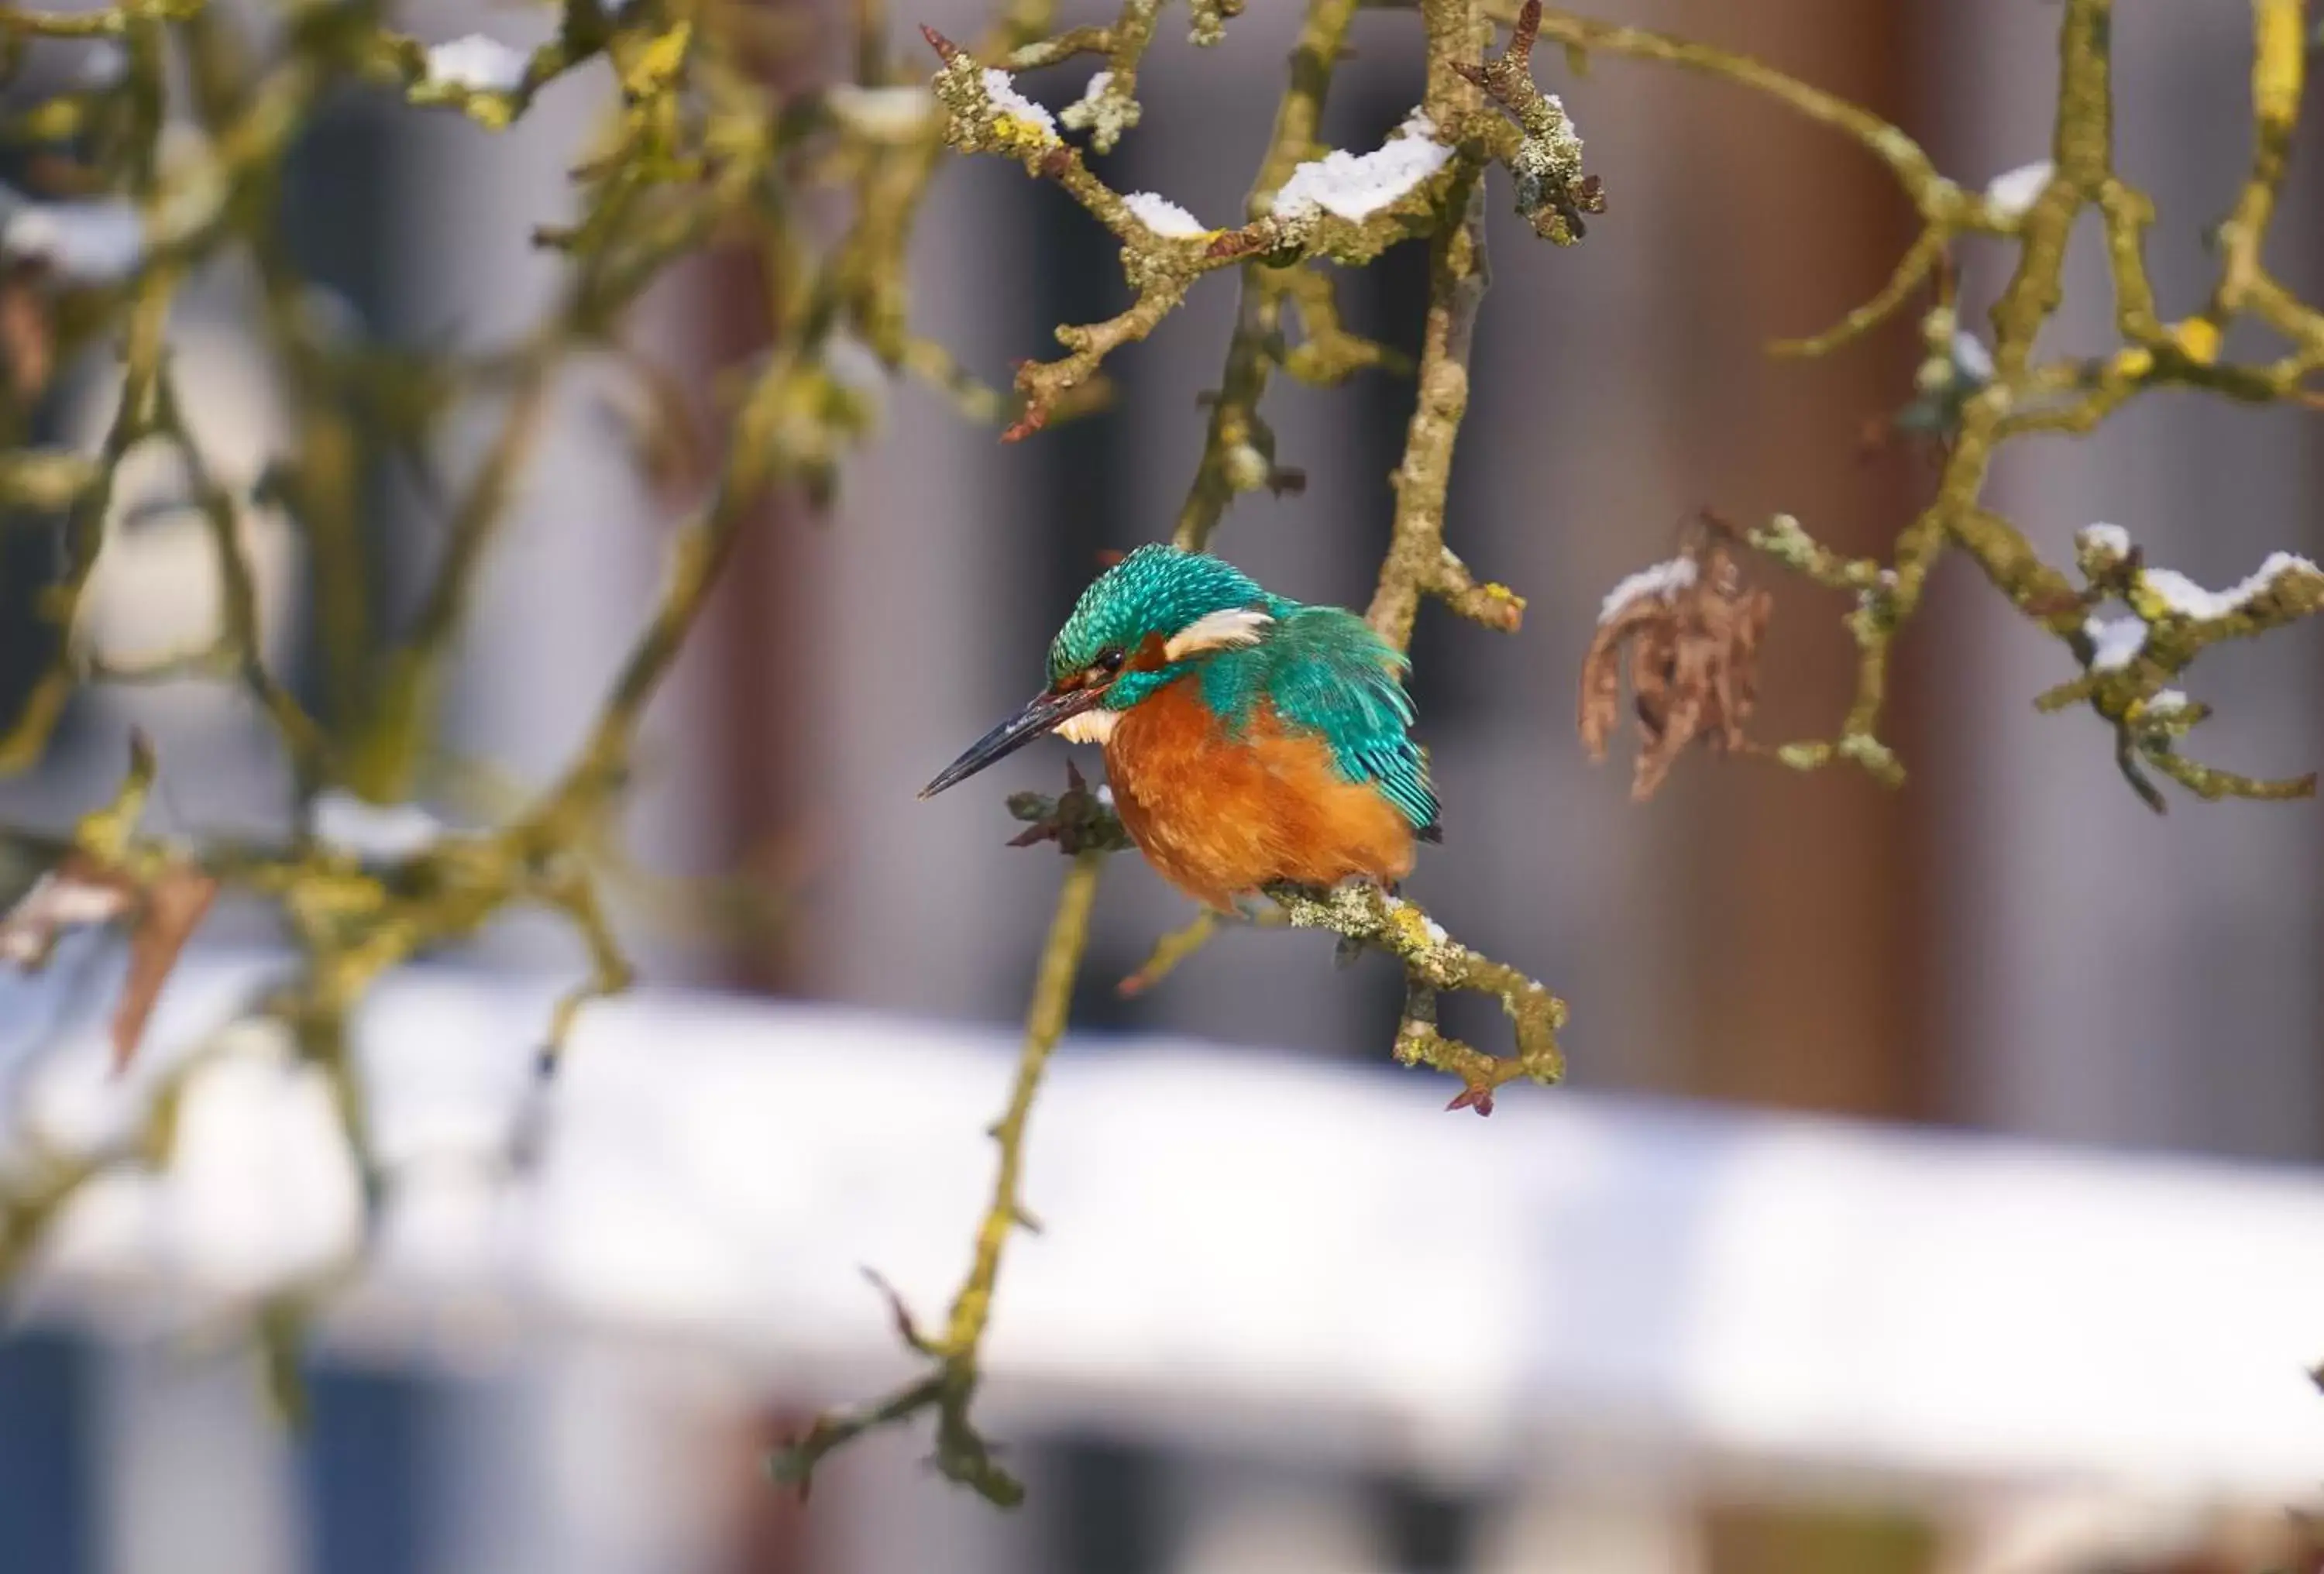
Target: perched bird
pixel 1249 738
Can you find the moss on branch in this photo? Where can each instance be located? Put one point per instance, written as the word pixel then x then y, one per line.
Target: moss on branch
pixel 1552 191
pixel 1973 417
pixel 702 146
pixel 1434 962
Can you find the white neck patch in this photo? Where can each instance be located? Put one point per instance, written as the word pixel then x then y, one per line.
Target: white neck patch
pixel 1094 725
pixel 1217 632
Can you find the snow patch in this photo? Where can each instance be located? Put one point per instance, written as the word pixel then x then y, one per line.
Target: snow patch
pixel 1353 186
pixel 1971 359
pixel 384 834
pixel 2014 192
pixel 2114 642
pixel 1000 91
pixel 476 64
pixel 1661 581
pixel 1162 215
pixel 2184 596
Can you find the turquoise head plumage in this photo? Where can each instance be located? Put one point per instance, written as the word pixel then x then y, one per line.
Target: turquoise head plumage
pixel 1262 669
pixel 1153 600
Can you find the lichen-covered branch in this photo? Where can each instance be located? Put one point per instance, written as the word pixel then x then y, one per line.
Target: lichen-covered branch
pixel 1975 396
pixel 1164 249
pixel 1434 962
pixel 1419 563
pixel 1172 949
pixel 1552 191
pixel 701 147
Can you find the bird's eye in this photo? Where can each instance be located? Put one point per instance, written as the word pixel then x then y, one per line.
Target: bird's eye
pixel 1110 659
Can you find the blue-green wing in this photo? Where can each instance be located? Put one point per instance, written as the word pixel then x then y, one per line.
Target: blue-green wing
pixel 1326 672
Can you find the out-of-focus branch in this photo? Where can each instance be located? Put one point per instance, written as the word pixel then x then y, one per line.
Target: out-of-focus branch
pixel 695 150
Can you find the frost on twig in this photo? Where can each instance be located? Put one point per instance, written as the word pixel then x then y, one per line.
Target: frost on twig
pixel 1692 629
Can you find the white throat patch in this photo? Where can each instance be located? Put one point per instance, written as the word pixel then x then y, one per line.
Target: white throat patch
pixel 1094 725
pixel 1217 632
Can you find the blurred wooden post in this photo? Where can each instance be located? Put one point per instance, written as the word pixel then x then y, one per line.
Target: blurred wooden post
pixel 764 663
pixel 1802 906
pixel 756 632
pixel 1800 893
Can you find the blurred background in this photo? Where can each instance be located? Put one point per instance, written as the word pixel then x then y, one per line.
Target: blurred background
pixel 2011 947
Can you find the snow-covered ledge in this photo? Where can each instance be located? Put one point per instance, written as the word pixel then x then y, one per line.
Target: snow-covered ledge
pixel 1235 1243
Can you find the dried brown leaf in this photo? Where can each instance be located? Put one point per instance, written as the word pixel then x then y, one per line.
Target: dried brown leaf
pixel 1692 651
pixel 1601 674
pixel 173 908
pixel 27 340
pixel 81 891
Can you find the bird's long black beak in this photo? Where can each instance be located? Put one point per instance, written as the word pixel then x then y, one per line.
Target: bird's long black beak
pixel 1046 710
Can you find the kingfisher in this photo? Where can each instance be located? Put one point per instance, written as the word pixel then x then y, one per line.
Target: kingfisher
pixel 1250 739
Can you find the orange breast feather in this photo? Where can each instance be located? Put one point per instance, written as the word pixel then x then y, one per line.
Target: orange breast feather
pixel 1221 816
